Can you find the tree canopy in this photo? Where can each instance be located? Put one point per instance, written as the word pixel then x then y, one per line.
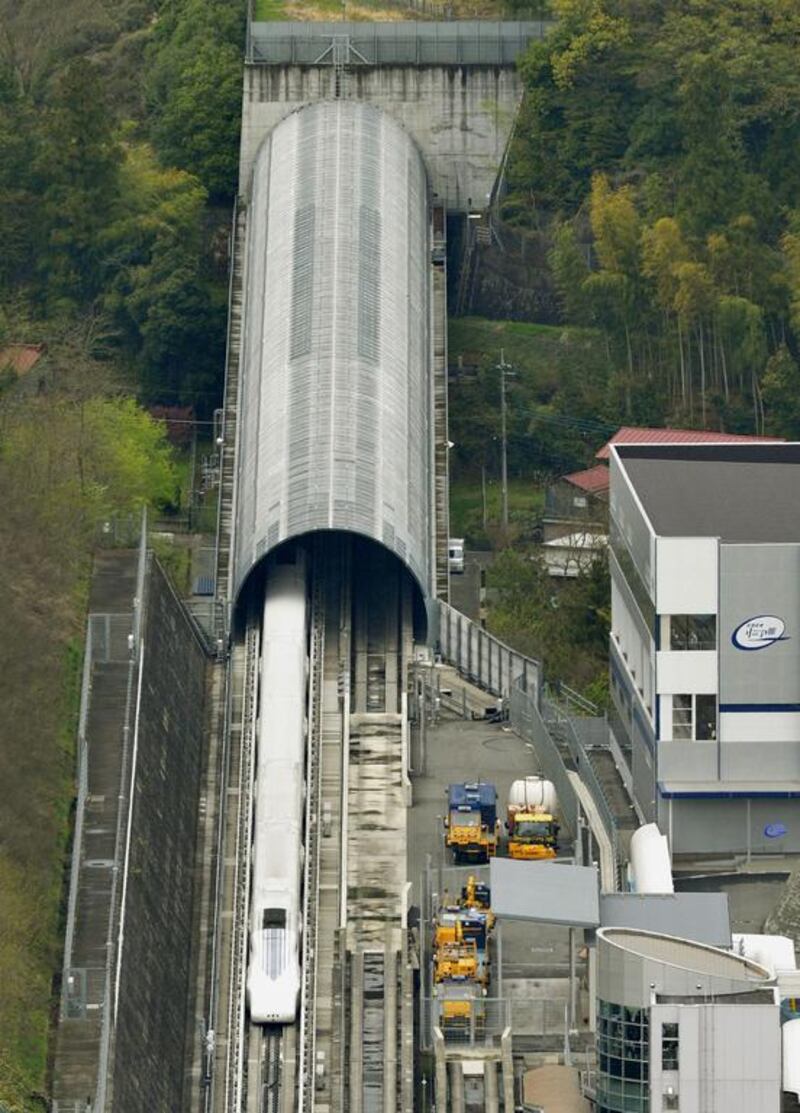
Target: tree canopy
pixel 661 144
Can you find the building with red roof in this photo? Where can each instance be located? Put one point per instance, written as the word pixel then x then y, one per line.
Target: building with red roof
pixel 579 501
pixel 20 358
pixel 636 434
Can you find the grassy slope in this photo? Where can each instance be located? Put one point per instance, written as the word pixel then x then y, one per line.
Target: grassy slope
pixel 267 10
pixel 540 351
pixel 36 761
pixel 542 355
pixel 525 501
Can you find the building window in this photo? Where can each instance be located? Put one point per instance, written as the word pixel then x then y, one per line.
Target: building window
pixel 669 1047
pixel 622 1059
pixel 670 1101
pixel 693 631
pixel 694 717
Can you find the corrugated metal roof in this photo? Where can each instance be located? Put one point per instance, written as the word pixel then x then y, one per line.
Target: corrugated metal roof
pixel 634 434
pixel 594 480
pixel 548 892
pixel 21 358
pixel 335 391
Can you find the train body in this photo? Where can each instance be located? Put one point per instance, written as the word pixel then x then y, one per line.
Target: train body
pixel 273 976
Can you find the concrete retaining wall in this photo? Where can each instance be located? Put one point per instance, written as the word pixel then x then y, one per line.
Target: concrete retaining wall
pixel 460 116
pixel 154 984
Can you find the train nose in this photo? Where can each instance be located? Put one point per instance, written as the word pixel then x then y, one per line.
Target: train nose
pixel 273 1000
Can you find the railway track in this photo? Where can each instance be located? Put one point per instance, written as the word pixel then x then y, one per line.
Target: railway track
pixel 245 664
pixel 344 1050
pixel 270 1075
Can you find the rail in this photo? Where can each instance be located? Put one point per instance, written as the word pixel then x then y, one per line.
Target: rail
pixel 82 778
pixel 372 1032
pixel 209 1080
pixel 560 724
pixel 235 1065
pixel 306 1073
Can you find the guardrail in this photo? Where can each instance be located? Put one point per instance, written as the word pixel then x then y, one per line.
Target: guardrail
pixel 527 721
pixel 560 724
pixel 482 658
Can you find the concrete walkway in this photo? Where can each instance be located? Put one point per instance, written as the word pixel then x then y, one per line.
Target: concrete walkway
pixel 79 1030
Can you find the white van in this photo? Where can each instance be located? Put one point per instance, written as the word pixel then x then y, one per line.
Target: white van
pixel 455 554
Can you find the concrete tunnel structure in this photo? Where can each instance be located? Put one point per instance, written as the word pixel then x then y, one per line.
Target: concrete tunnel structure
pixel 336 420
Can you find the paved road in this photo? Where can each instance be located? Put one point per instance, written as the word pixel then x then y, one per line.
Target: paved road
pixel 535 956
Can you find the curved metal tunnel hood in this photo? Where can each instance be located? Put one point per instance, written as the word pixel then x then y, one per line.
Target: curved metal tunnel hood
pixel 335 393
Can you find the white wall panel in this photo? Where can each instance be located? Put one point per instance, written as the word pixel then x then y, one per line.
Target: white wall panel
pixel 686 671
pixel 686 575
pixel 752 726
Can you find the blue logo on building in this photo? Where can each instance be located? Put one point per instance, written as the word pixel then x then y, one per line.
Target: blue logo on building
pixel 775 830
pixel 759 632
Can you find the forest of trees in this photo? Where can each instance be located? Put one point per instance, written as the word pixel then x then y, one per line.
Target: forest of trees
pixel 119 130
pixel 118 158
pixel 659 145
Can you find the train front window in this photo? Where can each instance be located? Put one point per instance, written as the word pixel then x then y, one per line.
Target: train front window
pixel 465 819
pixel 274 918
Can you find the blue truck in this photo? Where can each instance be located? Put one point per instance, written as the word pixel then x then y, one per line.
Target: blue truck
pixel 470 826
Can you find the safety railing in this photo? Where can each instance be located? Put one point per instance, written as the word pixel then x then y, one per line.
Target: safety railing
pixel 561 726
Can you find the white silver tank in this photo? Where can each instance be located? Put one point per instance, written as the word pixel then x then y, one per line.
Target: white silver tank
pixel 533 794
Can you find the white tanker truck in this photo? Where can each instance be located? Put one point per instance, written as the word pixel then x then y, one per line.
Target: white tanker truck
pixel 532 819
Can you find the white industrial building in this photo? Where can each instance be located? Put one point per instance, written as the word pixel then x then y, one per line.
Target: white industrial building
pixel 705 640
pixel 683 1026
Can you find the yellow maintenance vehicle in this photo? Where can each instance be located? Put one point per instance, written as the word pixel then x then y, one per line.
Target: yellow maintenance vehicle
pixel 532 819
pixel 460 1010
pixel 470 826
pixel 461 966
pixel 456 962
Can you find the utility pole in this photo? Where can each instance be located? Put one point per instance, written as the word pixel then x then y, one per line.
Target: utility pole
pixel 504 441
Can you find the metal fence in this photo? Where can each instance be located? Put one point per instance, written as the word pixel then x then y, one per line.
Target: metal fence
pixel 487 1019
pixel 110 638
pixel 107 640
pixel 564 728
pixel 482 658
pixel 446 43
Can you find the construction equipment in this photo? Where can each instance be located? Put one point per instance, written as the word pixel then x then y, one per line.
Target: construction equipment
pixel 470 827
pixel 460 1011
pixel 457 962
pixel 461 962
pixel 476 894
pixel 532 819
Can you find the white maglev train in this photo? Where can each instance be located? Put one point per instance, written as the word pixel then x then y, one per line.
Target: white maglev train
pixel 273 975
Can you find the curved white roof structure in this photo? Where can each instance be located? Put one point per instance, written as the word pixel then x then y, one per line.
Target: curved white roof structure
pixel 335 391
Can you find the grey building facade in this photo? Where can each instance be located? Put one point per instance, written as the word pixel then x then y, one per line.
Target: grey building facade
pixel 683 1026
pixel 705 640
